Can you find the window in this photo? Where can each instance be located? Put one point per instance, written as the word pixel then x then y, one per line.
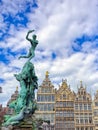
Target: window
pixel 76 106
pixel 86 121
pixel 40 107
pixel 42 98
pixel 85 106
pixel 77 120
pixel 61 104
pixel 81 121
pixel 49 97
pixel 84 97
pixel 90 120
pixel 45 107
pixel 64 104
pixel 64 96
pixel 80 106
pixel 95 112
pixel 89 106
pixel 38 98
pixel 53 98
pixel 49 107
pixel 70 104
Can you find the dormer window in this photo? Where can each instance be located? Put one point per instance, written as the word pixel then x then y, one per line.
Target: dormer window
pixel 84 97
pixel 64 96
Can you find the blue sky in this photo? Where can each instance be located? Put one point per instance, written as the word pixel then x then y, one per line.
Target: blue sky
pixel 68 41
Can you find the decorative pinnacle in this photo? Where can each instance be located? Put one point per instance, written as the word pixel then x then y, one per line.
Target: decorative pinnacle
pixel 16 88
pixel 47 73
pixel 81 83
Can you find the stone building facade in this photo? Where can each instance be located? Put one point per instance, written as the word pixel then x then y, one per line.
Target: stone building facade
pixel 46 102
pixel 83 110
pixel 64 108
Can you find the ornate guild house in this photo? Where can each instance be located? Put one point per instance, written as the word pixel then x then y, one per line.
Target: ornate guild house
pixel 83 110
pixel 64 109
pixel 46 101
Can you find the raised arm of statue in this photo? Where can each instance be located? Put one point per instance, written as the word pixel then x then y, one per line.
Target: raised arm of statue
pixel 27 36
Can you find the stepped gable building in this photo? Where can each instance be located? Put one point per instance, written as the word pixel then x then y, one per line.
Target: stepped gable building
pixel 64 110
pixel 13 97
pixel 83 110
pixel 95 110
pixel 46 101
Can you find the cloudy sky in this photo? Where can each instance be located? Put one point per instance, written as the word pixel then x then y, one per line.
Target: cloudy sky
pixel 67 32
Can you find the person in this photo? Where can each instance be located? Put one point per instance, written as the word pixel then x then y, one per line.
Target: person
pixel 34 43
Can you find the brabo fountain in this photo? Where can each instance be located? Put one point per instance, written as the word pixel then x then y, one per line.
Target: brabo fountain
pixel 25 105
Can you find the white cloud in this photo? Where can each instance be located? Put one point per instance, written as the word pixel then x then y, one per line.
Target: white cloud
pixel 14 6
pixel 57 24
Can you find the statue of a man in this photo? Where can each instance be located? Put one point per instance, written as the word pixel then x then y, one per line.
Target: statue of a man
pixel 34 43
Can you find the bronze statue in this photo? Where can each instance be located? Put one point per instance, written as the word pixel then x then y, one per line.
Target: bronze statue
pixel 25 104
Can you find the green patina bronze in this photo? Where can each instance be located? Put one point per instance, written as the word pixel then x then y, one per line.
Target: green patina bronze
pixel 34 43
pixel 25 104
